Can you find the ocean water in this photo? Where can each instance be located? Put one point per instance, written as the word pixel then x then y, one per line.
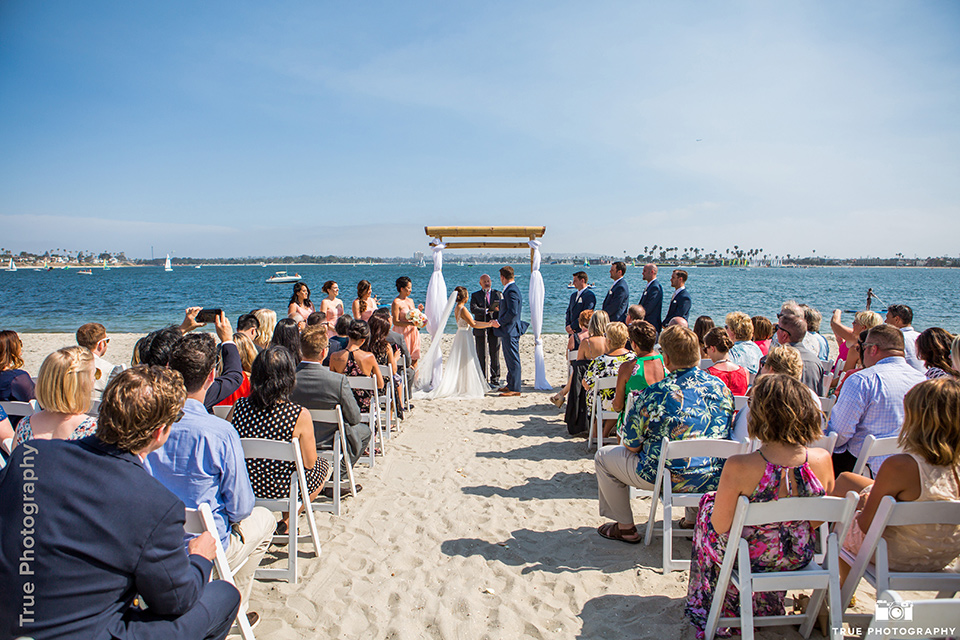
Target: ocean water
pixel 140 299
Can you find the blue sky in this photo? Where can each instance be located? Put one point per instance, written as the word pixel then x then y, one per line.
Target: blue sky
pixel 248 128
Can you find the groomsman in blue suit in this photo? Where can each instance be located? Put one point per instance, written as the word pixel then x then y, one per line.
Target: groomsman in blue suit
pixel 652 298
pixel 618 298
pixel 580 301
pixel 680 302
pixel 509 327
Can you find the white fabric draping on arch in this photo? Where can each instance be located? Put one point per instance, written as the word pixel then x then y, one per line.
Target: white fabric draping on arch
pixel 429 376
pixel 432 369
pixel 536 319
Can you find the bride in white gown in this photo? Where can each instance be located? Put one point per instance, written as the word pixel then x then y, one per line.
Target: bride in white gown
pixel 462 376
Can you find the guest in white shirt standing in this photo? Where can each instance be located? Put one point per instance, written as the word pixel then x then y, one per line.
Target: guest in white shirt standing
pixel 901 317
pixel 93 336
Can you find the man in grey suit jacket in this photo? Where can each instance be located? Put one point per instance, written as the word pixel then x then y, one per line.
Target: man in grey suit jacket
pixel 319 388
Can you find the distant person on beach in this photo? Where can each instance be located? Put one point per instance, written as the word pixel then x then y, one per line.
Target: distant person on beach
pixel 300 306
pixel 791 330
pixel 680 301
pixel 399 308
pixel 268 320
pixel 652 298
pixel 109 531
pixel 15 383
pixel 762 333
pixel 481 304
pixel 872 399
pixel 688 403
pixel 64 389
pixel 744 351
pixel 901 317
pixel 580 300
pixel 933 349
pixel 617 300
pixel 365 302
pixel 93 336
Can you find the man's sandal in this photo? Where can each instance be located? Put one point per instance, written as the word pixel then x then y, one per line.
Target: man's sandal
pixel 612 531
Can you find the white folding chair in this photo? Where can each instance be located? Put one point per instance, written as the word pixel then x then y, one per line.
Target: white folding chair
pixel 7 445
pixel 388 403
pixel 371 417
pixel 663 490
pixel 598 414
pixel 898 615
pixel 338 454
pixel 20 409
pixel 739 402
pixel 198 521
pixel 94 409
pixel 706 363
pixel 873 447
pixel 258 448
pixel 222 410
pixel 827 373
pixel 822 577
pixel 826 405
pixel 873 564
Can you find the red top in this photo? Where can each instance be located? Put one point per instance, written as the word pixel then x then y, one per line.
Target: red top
pixel 764 345
pixel 242 392
pixel 737 380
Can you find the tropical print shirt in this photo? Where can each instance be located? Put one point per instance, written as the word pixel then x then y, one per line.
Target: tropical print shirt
pixel 687 403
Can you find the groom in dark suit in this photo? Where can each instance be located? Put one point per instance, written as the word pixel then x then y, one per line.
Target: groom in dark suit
pixel 509 327
pixel 482 304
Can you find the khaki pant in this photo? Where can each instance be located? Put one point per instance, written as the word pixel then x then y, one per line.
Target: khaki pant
pixel 616 473
pixel 249 540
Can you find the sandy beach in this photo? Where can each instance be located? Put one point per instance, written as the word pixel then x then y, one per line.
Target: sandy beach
pixel 478 523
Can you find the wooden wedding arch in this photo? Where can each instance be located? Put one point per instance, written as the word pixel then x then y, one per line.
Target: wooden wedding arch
pixel 521 236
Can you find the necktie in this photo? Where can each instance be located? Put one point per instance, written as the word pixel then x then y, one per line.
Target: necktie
pixel 488 298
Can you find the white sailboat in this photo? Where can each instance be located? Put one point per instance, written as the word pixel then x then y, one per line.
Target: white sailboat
pixel 11 266
pixel 166 265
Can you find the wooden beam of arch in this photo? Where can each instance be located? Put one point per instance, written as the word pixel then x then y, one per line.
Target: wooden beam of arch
pixel 485 232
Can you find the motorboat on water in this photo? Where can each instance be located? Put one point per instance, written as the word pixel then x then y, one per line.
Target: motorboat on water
pixel 281 277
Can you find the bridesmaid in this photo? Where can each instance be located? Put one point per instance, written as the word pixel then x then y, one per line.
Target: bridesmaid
pixel 331 306
pixel 300 306
pixel 365 304
pixel 402 305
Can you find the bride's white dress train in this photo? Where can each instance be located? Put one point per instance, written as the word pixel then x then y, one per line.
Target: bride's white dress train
pixel 462 376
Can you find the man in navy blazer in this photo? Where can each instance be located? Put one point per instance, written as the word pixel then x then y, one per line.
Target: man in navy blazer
pixel 580 301
pixel 509 327
pixel 618 298
pixel 652 298
pixel 680 302
pixel 84 530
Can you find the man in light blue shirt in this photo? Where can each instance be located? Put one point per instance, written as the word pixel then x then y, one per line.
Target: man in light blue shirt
pixel 202 462
pixel 871 401
pixel 901 317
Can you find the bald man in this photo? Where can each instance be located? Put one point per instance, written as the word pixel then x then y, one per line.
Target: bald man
pixel 487 341
pixel 652 298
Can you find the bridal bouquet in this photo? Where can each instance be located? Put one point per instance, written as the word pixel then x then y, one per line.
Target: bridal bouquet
pixel 417 318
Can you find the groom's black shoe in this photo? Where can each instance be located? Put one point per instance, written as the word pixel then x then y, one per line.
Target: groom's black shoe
pixel 503 389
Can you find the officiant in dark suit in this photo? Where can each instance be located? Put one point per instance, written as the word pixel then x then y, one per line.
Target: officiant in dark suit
pixel 483 305
pixel 580 300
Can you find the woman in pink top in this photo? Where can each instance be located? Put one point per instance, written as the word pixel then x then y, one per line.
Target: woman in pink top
pixel 365 304
pixel 331 306
pixel 401 306
pixel 762 333
pixel 300 306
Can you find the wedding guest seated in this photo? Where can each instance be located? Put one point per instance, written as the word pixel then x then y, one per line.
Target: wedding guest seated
pixel 813 319
pixel 319 388
pixel 249 325
pixel 933 349
pixel 718 345
pixel 385 354
pixel 15 383
pixel 6 429
pixel 744 351
pixel 354 361
pixel 268 320
pixel 300 306
pixel 248 353
pixel 596 343
pixel 338 341
pixel 791 331
pixel 576 339
pixel 315 319
pixel 607 365
pixel 93 336
pixel 927 470
pixel 645 369
pixel 107 533
pixel 202 462
pixel 287 334
pixel 762 333
pixel 687 403
pixel 635 312
pixel 786 421
pixel 872 399
pixel 847 338
pixel 268 413
pixel 399 344
pixel 901 317
pixel 64 387
pixel 677 321
pixel 955 353
pixel 702 327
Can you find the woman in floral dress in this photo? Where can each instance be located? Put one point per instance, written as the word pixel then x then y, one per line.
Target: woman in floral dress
pixel 784 417
pixel 607 365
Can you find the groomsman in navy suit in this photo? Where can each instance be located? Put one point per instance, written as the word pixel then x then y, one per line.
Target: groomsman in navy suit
pixel 618 298
pixel 580 301
pixel 680 302
pixel 652 298
pixel 509 327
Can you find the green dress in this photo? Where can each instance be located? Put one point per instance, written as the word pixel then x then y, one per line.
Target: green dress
pixel 636 382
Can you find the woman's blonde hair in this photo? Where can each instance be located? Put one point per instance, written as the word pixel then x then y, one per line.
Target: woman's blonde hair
pixel 740 325
pixel 867 319
pixel 247 349
pixel 931 422
pixel 616 335
pixel 65 381
pixel 268 320
pixel 598 323
pixel 782 410
pixel 785 360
